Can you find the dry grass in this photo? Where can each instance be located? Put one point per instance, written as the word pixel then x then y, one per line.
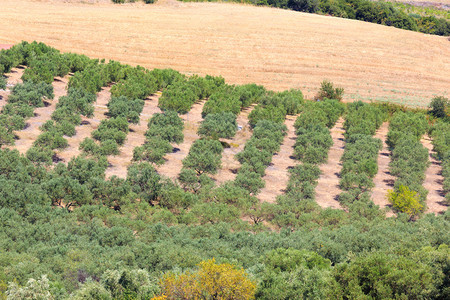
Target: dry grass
pixel 278 48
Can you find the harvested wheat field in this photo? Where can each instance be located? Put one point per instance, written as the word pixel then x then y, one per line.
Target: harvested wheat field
pixel 277 48
pixel 328 190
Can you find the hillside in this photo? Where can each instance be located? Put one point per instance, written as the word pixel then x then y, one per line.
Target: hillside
pixel 277 48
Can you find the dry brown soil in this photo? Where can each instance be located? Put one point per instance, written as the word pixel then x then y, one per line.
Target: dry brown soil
pixel 135 138
pixel 172 167
pixel 87 126
pixel 433 181
pixel 277 173
pixel 230 165
pixel 277 48
pixel 328 190
pixel 383 180
pixel 27 136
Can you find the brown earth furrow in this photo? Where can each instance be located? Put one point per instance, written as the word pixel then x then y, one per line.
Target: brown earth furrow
pixel 12 78
pixel 172 167
pixel 328 190
pixel 229 163
pixel 27 136
pixel 433 181
pixel 383 180
pixel 135 138
pixel 87 126
pixel 277 173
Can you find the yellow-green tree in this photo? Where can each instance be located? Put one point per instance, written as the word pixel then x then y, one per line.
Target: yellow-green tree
pixel 211 281
pixel 406 201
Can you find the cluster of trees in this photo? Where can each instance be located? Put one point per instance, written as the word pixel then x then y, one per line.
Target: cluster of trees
pixel 312 129
pixel 223 106
pixel 233 98
pixel 21 103
pixel 64 119
pixel 384 13
pixel 182 93
pixel 360 158
pixel 409 158
pixel 275 106
pixel 93 248
pixel 164 129
pixel 111 133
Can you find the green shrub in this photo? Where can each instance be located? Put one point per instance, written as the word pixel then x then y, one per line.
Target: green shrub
pixel 220 125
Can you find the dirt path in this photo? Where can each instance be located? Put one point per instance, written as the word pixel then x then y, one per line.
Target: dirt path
pixel 13 78
pixel 135 138
pixel 87 126
pixel 327 191
pixel 41 115
pixel 277 174
pixel 433 181
pixel 192 120
pixel 229 163
pixel 383 180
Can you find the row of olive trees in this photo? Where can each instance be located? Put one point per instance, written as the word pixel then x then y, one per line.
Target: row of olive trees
pixel 409 160
pixel 22 101
pixel 441 144
pixel 164 129
pixel 311 147
pixel 360 158
pixel 183 92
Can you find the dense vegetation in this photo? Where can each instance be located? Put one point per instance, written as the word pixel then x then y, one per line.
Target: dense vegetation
pixel 359 161
pixel 440 133
pixel 409 157
pixel 67 232
pixel 379 12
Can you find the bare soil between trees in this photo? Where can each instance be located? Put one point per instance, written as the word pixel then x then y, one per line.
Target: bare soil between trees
pixel 172 167
pixel 27 136
pixel 328 190
pixel 135 138
pixel 230 165
pixel 87 126
pixel 383 180
pixel 277 173
pixel 436 202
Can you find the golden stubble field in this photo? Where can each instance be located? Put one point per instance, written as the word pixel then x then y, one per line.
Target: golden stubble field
pixel 280 49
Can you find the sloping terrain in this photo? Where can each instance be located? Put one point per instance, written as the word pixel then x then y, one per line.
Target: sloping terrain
pixel 277 48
